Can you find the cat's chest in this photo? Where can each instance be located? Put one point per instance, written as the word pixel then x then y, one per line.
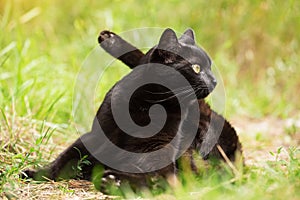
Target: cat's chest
pixel 142 117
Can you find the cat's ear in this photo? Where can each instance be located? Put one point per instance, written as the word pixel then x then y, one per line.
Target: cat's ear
pixel 188 37
pixel 168 40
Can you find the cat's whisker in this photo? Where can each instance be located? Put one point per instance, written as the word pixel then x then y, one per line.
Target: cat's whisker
pixel 171 91
pixel 188 91
pixel 190 94
pixel 170 97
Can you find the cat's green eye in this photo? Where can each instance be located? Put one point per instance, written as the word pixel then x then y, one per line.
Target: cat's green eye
pixel 196 68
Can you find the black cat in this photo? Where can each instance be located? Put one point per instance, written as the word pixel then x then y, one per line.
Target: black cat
pixel 133 57
pixel 185 68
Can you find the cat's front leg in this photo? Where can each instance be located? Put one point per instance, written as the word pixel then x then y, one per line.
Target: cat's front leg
pixel 120 49
pixel 116 180
pixel 218 132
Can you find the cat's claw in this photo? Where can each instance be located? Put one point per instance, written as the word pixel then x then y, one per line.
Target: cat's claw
pixel 27 174
pixel 38 175
pixel 108 182
pixel 111 179
pixel 104 35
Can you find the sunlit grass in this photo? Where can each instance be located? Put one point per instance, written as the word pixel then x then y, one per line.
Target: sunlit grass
pixel 254 44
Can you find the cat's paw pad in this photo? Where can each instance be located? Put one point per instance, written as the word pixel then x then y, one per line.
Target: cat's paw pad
pixel 104 35
pixel 111 180
pixel 108 183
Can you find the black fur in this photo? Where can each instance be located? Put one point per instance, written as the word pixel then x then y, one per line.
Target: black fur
pixel 176 53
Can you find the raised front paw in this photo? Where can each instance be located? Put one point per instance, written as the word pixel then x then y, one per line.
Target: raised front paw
pixel 104 35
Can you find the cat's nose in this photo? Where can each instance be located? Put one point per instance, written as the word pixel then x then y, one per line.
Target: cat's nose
pixel 212 85
pixel 214 82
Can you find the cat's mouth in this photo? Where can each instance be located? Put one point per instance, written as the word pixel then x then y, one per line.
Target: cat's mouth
pixel 204 91
pixel 206 88
pixel 202 94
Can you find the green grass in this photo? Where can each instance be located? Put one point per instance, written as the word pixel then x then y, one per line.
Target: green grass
pixel 254 44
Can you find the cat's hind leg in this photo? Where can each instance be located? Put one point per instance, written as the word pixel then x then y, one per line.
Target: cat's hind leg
pixel 75 162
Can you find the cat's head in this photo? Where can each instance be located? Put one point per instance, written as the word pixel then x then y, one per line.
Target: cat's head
pixel 186 57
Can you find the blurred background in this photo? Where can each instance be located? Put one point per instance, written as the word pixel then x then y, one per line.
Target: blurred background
pixel 254 44
pixel 43 44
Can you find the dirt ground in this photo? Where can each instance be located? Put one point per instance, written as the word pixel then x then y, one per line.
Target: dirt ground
pixel 260 137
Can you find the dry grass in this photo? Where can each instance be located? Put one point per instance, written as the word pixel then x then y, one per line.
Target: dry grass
pixel 255 136
pixel 73 189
